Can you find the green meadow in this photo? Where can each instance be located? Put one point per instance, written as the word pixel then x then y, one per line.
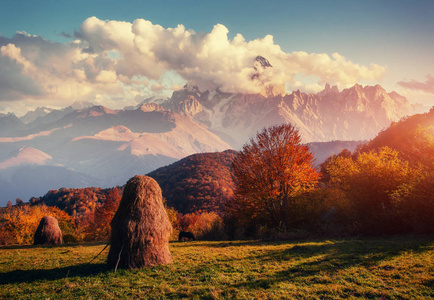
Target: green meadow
pixel 400 267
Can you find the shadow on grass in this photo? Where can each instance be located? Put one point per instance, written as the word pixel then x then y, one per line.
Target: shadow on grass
pixel 221 244
pixel 28 276
pixel 331 257
pixel 15 247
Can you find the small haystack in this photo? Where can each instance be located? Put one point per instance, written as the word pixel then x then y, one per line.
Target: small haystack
pixel 140 228
pixel 48 232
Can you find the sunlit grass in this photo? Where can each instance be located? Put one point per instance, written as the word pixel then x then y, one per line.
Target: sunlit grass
pixel 387 268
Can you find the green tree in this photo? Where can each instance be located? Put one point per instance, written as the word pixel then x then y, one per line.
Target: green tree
pixel 269 172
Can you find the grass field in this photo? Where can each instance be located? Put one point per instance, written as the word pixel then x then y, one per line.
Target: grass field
pixel 375 268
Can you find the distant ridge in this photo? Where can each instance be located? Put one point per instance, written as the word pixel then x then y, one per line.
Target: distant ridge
pixel 90 145
pixel 356 113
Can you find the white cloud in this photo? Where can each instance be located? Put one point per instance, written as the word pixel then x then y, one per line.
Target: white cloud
pixel 157 87
pixel 106 76
pixel 212 60
pixel 116 60
pixel 14 53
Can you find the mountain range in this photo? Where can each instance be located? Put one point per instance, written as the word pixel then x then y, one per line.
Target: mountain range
pixel 357 113
pixel 86 145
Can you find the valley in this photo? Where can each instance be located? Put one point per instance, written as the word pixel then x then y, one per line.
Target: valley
pixel 85 145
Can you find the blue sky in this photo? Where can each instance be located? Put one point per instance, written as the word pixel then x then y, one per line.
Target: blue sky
pixel 396 36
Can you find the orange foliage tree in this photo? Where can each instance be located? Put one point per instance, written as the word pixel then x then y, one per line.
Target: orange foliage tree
pixel 269 173
pixel 199 223
pixel 415 200
pixel 18 223
pixel 369 180
pixel 423 146
pixel 95 226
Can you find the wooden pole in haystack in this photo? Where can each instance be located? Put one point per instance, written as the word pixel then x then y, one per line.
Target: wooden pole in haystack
pixel 140 228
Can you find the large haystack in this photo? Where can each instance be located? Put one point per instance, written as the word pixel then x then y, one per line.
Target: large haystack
pixel 48 232
pixel 140 228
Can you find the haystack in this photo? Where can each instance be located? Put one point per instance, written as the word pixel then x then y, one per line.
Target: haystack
pixel 48 232
pixel 140 228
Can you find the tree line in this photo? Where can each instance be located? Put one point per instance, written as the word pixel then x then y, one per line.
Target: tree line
pixel 375 190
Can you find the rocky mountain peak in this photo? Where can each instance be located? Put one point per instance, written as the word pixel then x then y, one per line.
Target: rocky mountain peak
pixel 259 65
pixel 148 107
pixel 81 105
pixel 30 116
pixel 191 88
pixel 95 111
pixel 10 122
pixel 329 90
pixel 261 61
pixel 181 95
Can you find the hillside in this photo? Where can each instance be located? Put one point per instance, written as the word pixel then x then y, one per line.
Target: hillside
pixel 198 182
pixel 411 136
pixel 76 202
pixel 94 146
pixel 86 145
pixel 204 181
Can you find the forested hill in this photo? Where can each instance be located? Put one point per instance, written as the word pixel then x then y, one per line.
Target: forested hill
pixel 76 202
pixel 411 136
pixel 200 182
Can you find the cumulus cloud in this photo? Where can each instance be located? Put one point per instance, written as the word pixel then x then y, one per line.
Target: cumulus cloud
pixel 427 86
pixel 212 60
pixel 38 70
pixel 176 87
pixel 157 87
pixel 106 76
pixel 115 59
pixel 14 53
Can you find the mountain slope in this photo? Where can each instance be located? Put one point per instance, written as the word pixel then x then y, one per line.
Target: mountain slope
pixel 413 137
pixel 200 182
pixel 105 147
pixel 102 147
pixel 203 182
pixel 357 113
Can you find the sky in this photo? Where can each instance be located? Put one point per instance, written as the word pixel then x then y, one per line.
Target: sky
pixel 117 53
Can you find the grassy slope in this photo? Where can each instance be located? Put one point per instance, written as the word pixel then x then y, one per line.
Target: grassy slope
pixel 391 268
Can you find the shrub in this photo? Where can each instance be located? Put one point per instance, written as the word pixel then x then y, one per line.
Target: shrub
pixel 18 223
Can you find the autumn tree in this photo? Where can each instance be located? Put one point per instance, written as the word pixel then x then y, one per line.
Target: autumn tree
pixel 270 171
pixel 369 180
pixel 415 199
pixel 18 224
pixel 415 203
pixel 412 137
pixel 204 225
pixel 325 176
pixel 96 225
pixel 422 146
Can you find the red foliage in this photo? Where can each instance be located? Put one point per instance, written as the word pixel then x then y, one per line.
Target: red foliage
pixel 95 226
